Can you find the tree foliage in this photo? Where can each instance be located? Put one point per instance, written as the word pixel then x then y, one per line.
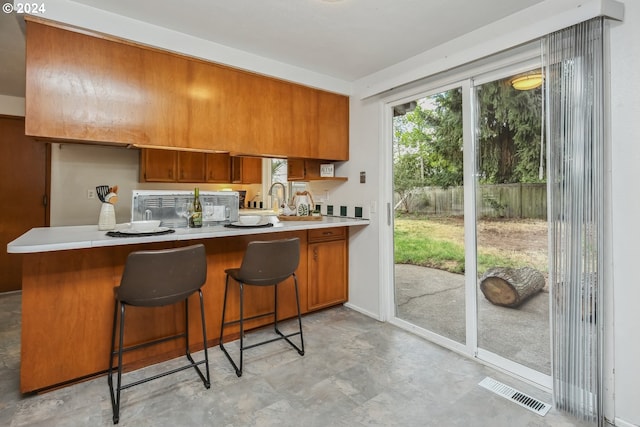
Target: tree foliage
pixel 428 141
pixel 509 133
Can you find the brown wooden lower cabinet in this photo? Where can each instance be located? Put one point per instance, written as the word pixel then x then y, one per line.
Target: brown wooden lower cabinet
pixel 327 260
pixel 68 303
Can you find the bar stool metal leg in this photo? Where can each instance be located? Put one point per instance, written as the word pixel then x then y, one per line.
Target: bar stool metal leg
pixel 265 263
pixel 224 323
pixel 115 395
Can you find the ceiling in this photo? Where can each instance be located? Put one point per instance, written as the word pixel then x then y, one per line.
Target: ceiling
pixel 344 39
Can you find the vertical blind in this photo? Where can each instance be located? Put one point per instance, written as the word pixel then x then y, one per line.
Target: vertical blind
pixel 574 69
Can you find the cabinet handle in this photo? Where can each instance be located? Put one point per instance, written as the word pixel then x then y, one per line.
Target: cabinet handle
pixel 327 233
pixel 170 173
pixel 315 254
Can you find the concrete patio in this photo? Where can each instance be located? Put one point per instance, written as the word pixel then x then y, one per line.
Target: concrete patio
pixel 434 299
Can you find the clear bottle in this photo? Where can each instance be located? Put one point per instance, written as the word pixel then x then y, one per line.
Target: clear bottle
pixel 196 216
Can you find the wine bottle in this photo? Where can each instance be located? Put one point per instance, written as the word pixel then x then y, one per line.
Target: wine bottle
pixel 196 216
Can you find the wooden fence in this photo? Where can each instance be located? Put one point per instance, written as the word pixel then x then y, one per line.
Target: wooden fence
pixel 494 201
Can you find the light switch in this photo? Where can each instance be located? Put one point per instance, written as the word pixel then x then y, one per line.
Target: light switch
pixel 363 177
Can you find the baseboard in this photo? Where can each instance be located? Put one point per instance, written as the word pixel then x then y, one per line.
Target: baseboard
pixel 361 310
pixel 622 423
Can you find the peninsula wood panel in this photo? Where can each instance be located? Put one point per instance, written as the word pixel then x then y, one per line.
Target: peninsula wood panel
pixel 68 305
pixel 85 87
pixel 67 314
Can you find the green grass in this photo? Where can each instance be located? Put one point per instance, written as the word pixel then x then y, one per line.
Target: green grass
pixel 439 244
pixel 411 248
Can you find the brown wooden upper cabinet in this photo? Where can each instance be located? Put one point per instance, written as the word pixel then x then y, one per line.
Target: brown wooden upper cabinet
pixel 246 170
pixel 218 168
pixel 191 166
pixel 96 88
pixel 183 166
pixel 308 170
pixel 158 165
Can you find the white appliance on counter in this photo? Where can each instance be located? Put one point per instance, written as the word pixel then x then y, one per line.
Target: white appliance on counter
pixel 169 206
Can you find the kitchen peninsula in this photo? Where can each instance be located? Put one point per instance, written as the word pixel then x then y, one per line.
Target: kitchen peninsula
pixel 69 274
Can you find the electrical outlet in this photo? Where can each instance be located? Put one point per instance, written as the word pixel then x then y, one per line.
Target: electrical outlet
pixel 91 194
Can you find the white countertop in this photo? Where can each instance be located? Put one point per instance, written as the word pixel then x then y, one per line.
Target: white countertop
pixel 47 239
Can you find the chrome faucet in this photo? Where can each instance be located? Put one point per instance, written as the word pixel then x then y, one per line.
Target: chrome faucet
pixel 284 193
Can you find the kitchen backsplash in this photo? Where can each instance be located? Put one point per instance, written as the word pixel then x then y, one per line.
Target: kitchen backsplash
pixel 170 206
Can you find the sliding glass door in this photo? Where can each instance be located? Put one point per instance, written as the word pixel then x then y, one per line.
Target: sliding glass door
pixel 429 214
pixel 469 217
pixel 511 222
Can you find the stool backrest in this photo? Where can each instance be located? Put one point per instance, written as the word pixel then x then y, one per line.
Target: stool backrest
pixel 270 262
pixel 162 277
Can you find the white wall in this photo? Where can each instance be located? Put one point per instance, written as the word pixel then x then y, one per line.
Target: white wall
pixel 625 158
pixel 11 105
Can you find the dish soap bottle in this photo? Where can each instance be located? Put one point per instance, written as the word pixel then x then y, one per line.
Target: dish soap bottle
pixel 196 216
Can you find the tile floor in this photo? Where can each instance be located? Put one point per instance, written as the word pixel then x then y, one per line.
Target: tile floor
pixel 356 372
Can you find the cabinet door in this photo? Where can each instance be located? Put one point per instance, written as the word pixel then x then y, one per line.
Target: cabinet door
pixel 333 127
pixel 327 280
pixel 246 170
pixel 251 170
pixel 83 88
pixel 304 122
pixel 295 170
pixel 165 89
pixel 191 166
pixel 304 170
pixel 158 165
pixel 218 168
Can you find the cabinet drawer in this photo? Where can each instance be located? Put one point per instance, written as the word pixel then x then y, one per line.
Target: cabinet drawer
pixel 324 234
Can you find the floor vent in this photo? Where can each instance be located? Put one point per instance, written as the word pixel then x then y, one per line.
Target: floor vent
pixel 534 405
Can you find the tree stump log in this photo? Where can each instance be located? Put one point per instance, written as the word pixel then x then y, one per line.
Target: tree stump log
pixel 510 287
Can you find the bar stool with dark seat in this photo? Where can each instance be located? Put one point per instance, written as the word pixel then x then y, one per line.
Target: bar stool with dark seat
pixel 152 279
pixel 265 263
